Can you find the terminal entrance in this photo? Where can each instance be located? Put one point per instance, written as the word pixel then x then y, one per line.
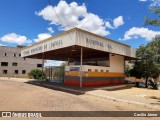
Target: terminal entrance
pixel 92 59
pixel 55 74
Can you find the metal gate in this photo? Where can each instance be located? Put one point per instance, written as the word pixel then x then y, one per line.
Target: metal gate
pixel 55 74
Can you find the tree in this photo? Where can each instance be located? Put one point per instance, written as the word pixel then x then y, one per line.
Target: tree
pixel 137 70
pixel 127 70
pixel 36 74
pixel 148 64
pixel 154 22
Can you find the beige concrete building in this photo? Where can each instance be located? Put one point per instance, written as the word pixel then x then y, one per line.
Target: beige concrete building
pixel 13 65
pixel 92 59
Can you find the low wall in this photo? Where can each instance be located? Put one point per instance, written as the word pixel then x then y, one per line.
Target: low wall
pixel 94 78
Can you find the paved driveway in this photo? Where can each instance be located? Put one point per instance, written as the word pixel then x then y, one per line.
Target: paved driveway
pixel 21 96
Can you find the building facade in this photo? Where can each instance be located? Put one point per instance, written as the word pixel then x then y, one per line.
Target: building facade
pixel 13 65
pixel 92 59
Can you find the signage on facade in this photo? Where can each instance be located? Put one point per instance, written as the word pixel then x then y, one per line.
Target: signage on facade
pixel 94 42
pixel 97 43
pixel 43 47
pixel 74 69
pixel 81 39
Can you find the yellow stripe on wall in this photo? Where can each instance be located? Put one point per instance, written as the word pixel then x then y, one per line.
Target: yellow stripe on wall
pixel 96 74
pixel 105 74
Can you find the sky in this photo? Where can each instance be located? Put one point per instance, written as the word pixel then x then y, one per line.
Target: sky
pixel 25 22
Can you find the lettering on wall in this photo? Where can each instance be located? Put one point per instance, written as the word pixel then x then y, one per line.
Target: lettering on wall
pixel 57 43
pixel 43 47
pixel 109 46
pixel 94 42
pixel 37 49
pixel 97 43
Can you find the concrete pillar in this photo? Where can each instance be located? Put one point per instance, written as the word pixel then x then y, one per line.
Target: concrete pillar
pixel 81 61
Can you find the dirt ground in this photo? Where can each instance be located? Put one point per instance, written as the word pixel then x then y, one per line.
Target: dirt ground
pixel 140 91
pixel 20 96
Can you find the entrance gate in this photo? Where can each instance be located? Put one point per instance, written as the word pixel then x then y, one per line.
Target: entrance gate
pixel 55 74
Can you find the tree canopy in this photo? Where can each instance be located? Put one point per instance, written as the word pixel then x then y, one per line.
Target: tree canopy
pixel 148 64
pixel 155 22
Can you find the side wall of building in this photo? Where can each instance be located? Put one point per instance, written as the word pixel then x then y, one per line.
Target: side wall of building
pixel 116 63
pixel 17 66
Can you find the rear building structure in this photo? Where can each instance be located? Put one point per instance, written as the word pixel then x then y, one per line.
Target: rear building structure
pixel 13 65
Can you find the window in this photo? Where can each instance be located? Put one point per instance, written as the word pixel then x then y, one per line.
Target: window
pixel 16 72
pixel 5 54
pixel 39 65
pixel 4 63
pixel 14 55
pixel 23 71
pixel 5 71
pixel 14 64
pixel 101 70
pixel 89 70
pixel 96 70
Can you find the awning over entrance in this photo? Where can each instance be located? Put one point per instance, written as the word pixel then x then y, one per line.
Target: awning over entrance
pixel 67 45
pixel 88 55
pixel 72 53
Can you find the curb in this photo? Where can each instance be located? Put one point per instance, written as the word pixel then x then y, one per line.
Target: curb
pixel 68 89
pixel 58 87
pixel 102 96
pixel 124 101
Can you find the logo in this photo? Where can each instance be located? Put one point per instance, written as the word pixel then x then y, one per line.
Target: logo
pixel 6 114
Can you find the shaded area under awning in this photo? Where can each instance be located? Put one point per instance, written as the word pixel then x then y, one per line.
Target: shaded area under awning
pixel 72 53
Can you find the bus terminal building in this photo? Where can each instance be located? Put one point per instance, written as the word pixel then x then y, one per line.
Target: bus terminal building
pixel 92 60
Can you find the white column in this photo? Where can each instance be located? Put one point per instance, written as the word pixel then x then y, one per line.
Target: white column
pixel 42 65
pixel 81 67
pixel 68 61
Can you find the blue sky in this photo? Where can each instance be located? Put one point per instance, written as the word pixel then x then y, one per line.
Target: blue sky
pixel 25 22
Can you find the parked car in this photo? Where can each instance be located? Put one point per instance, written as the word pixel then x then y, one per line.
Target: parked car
pixel 129 82
pixel 142 84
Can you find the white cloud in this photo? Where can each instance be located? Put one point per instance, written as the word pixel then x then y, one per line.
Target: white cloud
pixel 53 63
pixel 2 45
pixel 50 29
pixel 93 23
pixel 42 36
pixel 108 25
pixel 142 32
pixel 73 15
pixel 72 12
pixel 155 3
pixel 118 22
pixel 15 38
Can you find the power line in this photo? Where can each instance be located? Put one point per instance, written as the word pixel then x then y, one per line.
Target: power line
pixel 55 12
pixel 60 18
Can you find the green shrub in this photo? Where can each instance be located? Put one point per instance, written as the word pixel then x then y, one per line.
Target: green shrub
pixel 36 74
